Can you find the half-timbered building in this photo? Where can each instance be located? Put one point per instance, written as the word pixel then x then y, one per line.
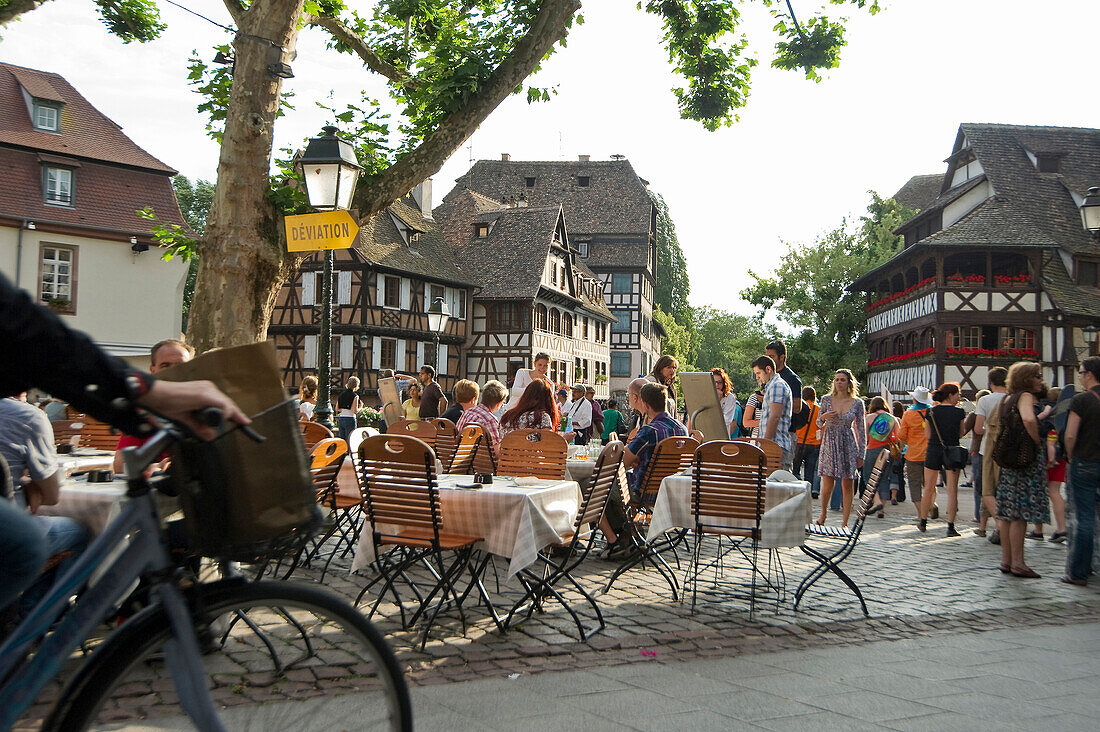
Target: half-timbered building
pixel 996 266
pixel 382 289
pixel 534 294
pixel 612 222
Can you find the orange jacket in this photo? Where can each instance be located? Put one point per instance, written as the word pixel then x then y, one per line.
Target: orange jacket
pixel 912 434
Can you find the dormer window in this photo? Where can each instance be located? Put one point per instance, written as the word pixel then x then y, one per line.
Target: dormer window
pixel 582 181
pixel 414 237
pixel 481 231
pixel 58 185
pixel 582 248
pixel 530 181
pixel 47 117
pixel 1048 163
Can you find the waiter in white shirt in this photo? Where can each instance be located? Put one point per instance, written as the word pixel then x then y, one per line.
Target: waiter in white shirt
pixel 579 411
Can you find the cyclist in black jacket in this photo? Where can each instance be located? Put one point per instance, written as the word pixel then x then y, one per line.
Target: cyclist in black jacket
pixel 40 350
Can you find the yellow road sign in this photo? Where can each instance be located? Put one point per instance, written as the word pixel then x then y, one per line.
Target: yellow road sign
pixel 316 231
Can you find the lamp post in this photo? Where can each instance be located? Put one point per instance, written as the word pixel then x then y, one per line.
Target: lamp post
pixel 438 315
pixel 329 169
pixel 1090 210
pixel 1091 332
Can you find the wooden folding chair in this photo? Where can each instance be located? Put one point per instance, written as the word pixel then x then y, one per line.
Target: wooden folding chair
pixel 727 500
pixel 471 441
pixel 829 561
pixel 98 435
pixel 773 453
pixel 446 441
pixel 313 433
pixel 422 430
pixel 65 430
pixel 576 546
pixel 672 455
pixel 397 474
pixel 539 453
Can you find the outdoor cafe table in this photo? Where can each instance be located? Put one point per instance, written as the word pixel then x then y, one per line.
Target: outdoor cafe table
pixel 786 509
pixel 515 520
pixel 81 461
pixel 97 504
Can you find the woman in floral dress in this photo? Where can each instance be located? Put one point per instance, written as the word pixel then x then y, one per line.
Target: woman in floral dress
pixel 843 440
pixel 1022 493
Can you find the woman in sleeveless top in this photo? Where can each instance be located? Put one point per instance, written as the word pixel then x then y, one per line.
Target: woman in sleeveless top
pixel 524 377
pixel 843 441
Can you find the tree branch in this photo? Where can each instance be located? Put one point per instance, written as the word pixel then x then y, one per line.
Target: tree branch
pixel 236 10
pixel 15 8
pixel 548 28
pixel 350 38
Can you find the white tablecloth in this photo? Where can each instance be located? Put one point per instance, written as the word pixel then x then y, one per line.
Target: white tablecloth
pixel 786 510
pixel 580 470
pixel 516 521
pixel 97 504
pixel 84 460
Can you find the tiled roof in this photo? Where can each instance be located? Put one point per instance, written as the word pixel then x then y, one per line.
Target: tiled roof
pixel 995 222
pixel 104 196
pixel 615 201
pixel 920 191
pixel 618 255
pixel 1066 294
pixel 431 256
pixel 85 133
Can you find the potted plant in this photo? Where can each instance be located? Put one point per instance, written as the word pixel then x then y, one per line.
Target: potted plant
pixel 368 417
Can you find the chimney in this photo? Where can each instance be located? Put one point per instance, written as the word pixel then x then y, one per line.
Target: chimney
pixel 505 157
pixel 422 194
pixel 583 158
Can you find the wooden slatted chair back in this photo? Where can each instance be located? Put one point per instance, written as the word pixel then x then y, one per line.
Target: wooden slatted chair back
pixel 697 435
pixel 65 430
pixel 470 442
pixel 772 452
pixel 729 485
pixel 313 433
pixel 328 451
pixel 422 430
pixel 328 457
pixel 870 488
pixel 540 453
pixel 446 441
pixel 98 435
pixel 398 480
pixel 605 479
pixel 356 437
pixel 672 455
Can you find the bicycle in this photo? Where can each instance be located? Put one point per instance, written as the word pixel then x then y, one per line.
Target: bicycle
pixel 215 642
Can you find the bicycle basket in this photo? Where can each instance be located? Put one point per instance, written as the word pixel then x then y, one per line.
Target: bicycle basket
pixel 242 500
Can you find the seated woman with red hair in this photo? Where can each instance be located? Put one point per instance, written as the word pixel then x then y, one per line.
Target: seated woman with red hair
pixel 536 410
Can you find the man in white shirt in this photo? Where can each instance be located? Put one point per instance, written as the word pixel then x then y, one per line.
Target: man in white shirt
pixel 985 482
pixel 579 411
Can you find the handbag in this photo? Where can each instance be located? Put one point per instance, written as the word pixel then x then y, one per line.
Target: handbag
pixel 955 457
pixel 1013 447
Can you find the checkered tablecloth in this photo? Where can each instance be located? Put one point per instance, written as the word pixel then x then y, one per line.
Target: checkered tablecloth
pixel 786 510
pixel 516 521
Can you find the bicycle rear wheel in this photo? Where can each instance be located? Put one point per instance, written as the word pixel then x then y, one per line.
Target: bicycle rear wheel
pixel 278 655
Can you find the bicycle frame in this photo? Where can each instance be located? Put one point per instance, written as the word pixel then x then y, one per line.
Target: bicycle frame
pixel 137 532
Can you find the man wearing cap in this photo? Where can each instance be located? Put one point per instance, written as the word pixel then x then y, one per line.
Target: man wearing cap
pixel 579 411
pixel 911 432
pixel 987 415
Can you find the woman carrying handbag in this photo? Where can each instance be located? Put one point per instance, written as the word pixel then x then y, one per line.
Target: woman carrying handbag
pixel 943 428
pixel 1022 486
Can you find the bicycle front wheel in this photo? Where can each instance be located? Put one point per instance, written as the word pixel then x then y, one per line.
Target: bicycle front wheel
pixel 278 655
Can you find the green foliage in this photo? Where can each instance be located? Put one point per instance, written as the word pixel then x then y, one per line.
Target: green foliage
pixel 809 290
pixel 213 82
pixel 673 285
pixel 679 340
pixel 131 20
pixel 703 45
pixel 194 201
pixel 731 342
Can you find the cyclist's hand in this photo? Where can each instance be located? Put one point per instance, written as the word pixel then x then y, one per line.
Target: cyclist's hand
pixel 177 401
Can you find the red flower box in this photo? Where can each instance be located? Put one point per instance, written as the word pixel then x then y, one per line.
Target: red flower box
pixel 1021 279
pixel 901 357
pixel 898 295
pixel 970 279
pixel 994 352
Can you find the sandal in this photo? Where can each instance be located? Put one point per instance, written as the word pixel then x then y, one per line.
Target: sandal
pixel 1005 569
pixel 1034 535
pixel 1070 581
pixel 1026 573
pixel 1057 537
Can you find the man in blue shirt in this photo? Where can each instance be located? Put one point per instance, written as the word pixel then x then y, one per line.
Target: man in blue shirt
pixel 775 412
pixel 659 426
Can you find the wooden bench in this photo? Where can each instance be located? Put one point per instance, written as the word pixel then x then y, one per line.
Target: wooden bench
pixel 843 540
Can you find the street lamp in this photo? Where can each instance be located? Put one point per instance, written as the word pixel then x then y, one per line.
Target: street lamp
pixel 1091 332
pixel 438 315
pixel 329 168
pixel 1090 210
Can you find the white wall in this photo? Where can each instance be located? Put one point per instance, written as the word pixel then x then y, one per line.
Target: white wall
pixel 126 302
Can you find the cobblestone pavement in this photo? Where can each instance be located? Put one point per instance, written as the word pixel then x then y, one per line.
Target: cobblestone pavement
pixel 915 584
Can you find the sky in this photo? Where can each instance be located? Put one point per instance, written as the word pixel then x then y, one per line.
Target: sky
pixel 802 157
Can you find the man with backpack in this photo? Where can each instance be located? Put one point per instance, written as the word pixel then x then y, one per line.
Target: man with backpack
pixel 807 446
pixel 800 413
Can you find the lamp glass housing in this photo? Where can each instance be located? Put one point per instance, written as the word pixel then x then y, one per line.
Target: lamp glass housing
pixel 1090 210
pixel 1090 332
pixel 329 168
pixel 438 315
